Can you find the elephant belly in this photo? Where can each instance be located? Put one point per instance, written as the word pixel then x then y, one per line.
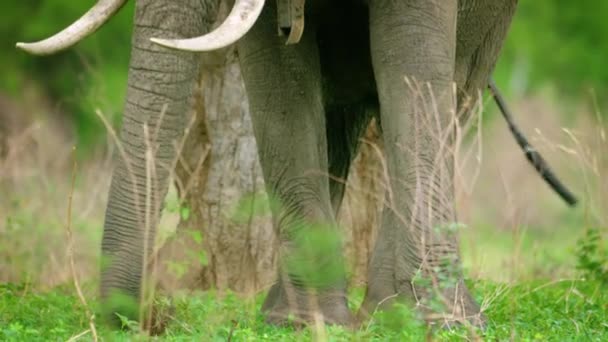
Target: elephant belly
pixel 482 28
pixel 343 39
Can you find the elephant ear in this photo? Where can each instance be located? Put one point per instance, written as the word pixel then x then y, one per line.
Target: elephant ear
pixel 81 28
pixel 240 20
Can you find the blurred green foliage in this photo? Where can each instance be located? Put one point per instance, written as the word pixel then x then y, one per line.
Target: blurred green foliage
pixel 562 43
pixel 88 76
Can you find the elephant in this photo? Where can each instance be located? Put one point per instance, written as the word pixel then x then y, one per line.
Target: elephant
pixel 413 65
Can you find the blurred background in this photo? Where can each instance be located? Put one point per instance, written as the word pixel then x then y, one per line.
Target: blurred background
pixel 553 71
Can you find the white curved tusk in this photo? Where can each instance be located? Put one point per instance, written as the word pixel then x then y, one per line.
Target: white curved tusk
pixel 239 21
pixel 84 26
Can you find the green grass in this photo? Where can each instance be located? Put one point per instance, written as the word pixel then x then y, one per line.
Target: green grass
pixel 524 297
pixel 555 311
pixel 523 254
pixel 523 271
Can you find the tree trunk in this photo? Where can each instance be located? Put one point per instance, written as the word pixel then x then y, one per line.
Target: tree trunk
pixel 361 210
pixel 227 241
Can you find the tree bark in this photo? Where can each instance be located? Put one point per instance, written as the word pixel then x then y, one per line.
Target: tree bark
pixel 226 241
pixel 361 209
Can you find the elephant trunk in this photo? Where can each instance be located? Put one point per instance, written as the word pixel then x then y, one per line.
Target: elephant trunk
pixel 160 83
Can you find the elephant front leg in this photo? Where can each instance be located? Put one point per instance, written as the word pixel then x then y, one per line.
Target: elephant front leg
pixel 416 255
pixel 284 88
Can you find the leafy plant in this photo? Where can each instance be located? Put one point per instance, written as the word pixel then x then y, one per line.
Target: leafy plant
pixel 592 256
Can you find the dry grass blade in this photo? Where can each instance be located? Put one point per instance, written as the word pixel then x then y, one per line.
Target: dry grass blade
pixel 77 336
pixel 70 252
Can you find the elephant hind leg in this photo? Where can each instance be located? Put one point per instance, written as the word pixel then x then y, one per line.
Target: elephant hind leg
pixel 283 83
pixel 416 258
pixel 345 126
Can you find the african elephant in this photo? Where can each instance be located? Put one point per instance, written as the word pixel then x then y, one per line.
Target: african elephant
pixel 412 64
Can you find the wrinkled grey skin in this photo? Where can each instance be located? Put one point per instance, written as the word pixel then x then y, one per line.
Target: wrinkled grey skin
pixel 160 84
pixel 310 103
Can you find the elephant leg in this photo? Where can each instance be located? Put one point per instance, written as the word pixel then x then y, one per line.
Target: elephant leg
pixel 159 87
pixel 345 127
pixel 284 88
pixel 416 255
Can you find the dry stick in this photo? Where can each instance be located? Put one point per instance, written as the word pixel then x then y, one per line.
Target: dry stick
pixel 147 294
pixel 474 120
pixel 234 325
pixel 444 136
pixel 531 153
pixel 70 253
pixel 123 154
pixel 436 173
pixel 414 87
pixel 151 174
pixel 77 336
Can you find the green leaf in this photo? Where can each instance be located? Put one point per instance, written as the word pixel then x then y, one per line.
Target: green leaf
pixel 184 213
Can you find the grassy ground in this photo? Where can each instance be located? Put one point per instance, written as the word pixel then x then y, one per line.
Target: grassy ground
pixel 521 249
pixel 532 311
pixel 525 279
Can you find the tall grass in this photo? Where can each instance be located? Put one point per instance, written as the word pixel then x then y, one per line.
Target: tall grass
pixel 517 229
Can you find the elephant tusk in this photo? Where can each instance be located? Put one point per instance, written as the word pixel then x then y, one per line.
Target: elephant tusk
pixel 237 24
pixel 87 24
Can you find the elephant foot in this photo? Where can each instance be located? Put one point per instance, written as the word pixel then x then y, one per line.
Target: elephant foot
pixel 288 305
pixel 439 307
